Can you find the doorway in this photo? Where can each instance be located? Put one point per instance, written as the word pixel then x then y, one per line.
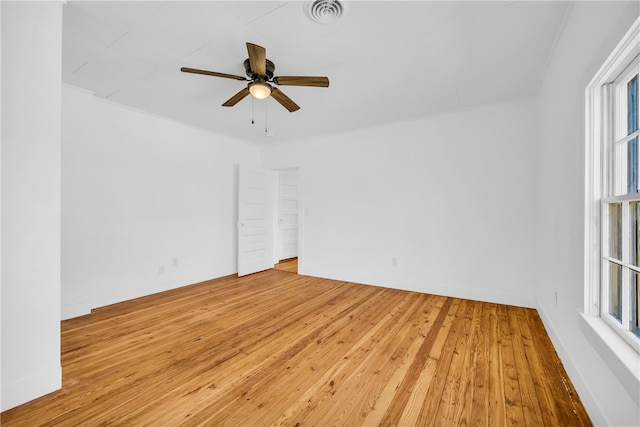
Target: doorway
pixel 287 209
pixel 268 218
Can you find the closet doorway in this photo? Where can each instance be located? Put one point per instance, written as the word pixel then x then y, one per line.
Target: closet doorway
pixel 287 212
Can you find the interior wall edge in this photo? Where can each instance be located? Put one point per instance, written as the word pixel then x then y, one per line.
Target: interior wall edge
pixel 25 389
pixel 31 34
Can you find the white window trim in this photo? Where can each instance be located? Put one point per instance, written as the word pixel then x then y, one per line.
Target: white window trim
pixel 615 177
pixel 597 94
pixel 605 341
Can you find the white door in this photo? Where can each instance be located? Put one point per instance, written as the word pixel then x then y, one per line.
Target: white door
pixel 254 221
pixel 288 214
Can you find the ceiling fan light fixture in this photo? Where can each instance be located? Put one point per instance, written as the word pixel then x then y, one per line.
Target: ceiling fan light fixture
pixel 259 89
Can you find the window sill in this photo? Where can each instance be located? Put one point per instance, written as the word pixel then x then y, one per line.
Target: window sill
pixel 623 360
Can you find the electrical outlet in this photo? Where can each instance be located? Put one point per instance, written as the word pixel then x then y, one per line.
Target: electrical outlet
pixel 175 262
pixel 394 262
pixel 161 269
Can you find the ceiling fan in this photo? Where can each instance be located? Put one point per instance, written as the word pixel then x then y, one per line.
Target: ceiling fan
pixel 260 72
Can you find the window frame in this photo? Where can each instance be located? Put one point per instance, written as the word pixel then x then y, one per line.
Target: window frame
pixel 618 188
pixel 602 119
pixel 623 325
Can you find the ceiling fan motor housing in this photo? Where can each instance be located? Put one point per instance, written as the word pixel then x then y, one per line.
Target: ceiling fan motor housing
pixel 254 76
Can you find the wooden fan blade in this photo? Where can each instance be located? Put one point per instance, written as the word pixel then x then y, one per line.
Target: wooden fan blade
pixel 236 98
pixel 212 73
pixel 301 81
pixel 284 100
pixel 257 58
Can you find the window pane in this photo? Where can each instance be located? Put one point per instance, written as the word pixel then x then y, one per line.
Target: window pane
pixel 632 166
pixel 632 126
pixel 615 290
pixel 635 296
pixel 634 229
pixel 632 105
pixel 615 230
pixel 626 164
pixel 623 168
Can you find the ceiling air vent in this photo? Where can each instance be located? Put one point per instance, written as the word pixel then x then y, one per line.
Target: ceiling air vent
pixel 325 11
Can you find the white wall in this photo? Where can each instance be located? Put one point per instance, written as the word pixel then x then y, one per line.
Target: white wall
pixel 30 200
pixel 450 197
pixel 140 192
pixel 592 31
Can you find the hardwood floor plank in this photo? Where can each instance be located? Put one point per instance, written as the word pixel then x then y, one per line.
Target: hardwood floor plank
pixel 276 348
pixel 533 415
pixel 497 412
pixel 435 336
pixel 456 372
pixel 512 399
pixel 390 385
pixel 410 377
pixel 480 381
pixel 537 369
pixel 460 410
pixel 433 398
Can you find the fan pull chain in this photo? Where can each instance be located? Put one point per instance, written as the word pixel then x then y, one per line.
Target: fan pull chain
pixel 252 109
pixel 265 118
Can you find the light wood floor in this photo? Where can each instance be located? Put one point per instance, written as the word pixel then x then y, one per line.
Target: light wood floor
pixel 289 265
pixel 276 348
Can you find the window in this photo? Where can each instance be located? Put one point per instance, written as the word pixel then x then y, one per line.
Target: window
pixel 621 209
pixel 613 191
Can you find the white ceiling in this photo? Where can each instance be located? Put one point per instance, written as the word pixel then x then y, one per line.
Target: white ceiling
pixel 386 61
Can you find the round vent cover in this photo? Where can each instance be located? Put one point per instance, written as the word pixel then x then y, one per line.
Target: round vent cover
pixel 325 11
